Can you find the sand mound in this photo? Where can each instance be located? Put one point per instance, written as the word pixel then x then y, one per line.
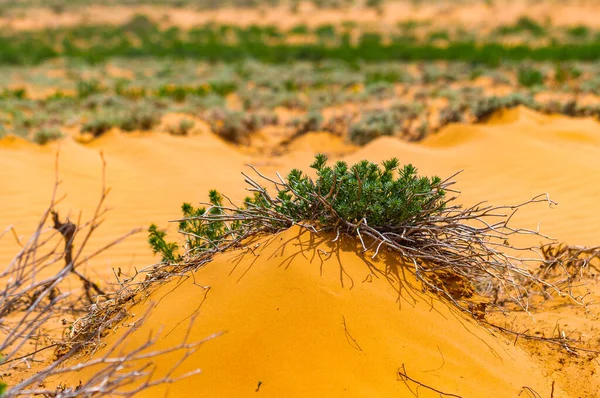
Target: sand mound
pixel 307 317
pixel 151 174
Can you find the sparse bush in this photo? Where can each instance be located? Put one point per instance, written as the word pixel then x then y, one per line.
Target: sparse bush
pixel 141 117
pixel 485 107
pixel 563 74
pixel 85 88
pixel 529 77
pixel 45 135
pixel 312 121
pixel 371 126
pixel 450 114
pixel 579 32
pixel 236 126
pixel 99 125
pixel 182 128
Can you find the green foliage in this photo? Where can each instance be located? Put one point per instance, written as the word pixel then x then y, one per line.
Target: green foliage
pixel 201 236
pixel 485 107
pixel 85 88
pixel 579 32
pixel 523 24
pixel 237 126
pixel 563 74
pixel 141 117
pixel 530 77
pixel 145 38
pixel 45 135
pixel 99 125
pixel 312 121
pixel 373 125
pixel 299 30
pixel 364 190
pixel 182 128
pixel 387 198
pixel 156 239
pixel 374 3
pixel 3 385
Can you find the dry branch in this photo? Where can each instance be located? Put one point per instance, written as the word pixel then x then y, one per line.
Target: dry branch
pixel 32 297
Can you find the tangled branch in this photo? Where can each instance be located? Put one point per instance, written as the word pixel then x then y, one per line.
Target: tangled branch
pixel 32 300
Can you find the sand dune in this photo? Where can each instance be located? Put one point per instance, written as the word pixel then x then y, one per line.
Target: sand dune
pixel 306 317
pixel 518 155
pixel 515 156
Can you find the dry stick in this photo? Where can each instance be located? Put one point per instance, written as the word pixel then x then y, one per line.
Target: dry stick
pixel 68 231
pixel 406 377
pixel 24 293
pixel 533 393
pixel 562 342
pixel 349 336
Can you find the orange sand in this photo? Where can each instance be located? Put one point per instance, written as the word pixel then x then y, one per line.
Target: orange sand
pixel 301 348
pixel 444 14
pixel 284 308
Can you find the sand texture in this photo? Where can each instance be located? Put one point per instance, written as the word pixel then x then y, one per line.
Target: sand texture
pixel 309 318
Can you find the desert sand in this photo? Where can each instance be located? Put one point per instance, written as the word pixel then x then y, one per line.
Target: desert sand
pixel 289 321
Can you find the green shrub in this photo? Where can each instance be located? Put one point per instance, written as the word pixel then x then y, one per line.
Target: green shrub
pixel 182 128
pixel 485 107
pixel 299 30
pixel 141 117
pixel 563 74
pixel 156 239
pixel 99 125
pixel 312 121
pixel 385 197
pixel 524 24
pixel 579 32
pixel 529 77
pixel 450 114
pixel 373 125
pixel 234 126
pixel 85 88
pixel 324 32
pixel 45 135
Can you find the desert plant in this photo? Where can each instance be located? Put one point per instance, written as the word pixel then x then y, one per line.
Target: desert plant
pixel 140 117
pixel 373 125
pixel 485 107
pixel 579 32
pixel 388 208
pixel 450 114
pixel 85 88
pixel 529 77
pixel 45 135
pixel 99 125
pixel 237 126
pixel 182 128
pixel 312 121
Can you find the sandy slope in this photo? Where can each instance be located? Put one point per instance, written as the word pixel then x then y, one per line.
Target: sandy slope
pixel 309 318
pixel 515 156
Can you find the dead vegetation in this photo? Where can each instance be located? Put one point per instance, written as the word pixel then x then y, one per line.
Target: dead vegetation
pixel 37 294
